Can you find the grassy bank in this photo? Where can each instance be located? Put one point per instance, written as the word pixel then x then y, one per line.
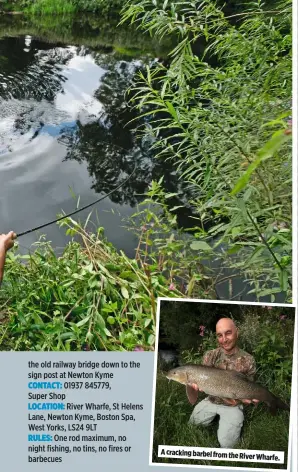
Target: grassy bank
pixel 50 7
pixel 91 294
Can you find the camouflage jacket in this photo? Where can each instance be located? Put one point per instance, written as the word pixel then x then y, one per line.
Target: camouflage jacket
pixel 240 361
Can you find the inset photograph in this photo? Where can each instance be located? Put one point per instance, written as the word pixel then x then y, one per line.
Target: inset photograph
pixel 223 377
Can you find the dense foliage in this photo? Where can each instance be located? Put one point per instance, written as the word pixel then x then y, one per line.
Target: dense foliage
pixel 190 327
pixel 223 118
pixel 90 296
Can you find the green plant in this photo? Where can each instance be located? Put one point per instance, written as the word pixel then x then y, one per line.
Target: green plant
pixel 207 343
pixel 222 117
pixel 90 295
pixel 274 356
pixel 164 245
pixel 46 7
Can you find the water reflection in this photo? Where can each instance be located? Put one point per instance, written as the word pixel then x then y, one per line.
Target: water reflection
pixel 64 123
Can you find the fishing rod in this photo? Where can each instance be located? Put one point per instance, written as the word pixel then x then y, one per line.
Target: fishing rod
pixel 79 209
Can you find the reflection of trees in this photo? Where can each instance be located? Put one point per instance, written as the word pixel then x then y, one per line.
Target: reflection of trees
pixel 107 145
pixel 84 29
pixel 34 73
pixel 107 163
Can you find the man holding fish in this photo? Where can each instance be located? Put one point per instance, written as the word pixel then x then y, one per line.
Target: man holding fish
pixel 227 377
pixel 227 356
pixel 6 243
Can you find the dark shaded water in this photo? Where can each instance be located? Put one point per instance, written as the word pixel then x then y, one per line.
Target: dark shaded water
pixel 63 126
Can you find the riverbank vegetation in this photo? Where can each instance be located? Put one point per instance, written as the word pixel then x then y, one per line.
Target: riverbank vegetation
pixel 58 7
pixel 265 332
pixel 224 119
pixel 92 296
pixel 85 30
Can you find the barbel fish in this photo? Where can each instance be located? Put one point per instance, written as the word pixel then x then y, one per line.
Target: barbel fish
pixel 227 384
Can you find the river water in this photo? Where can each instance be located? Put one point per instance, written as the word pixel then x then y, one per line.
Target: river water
pixel 64 126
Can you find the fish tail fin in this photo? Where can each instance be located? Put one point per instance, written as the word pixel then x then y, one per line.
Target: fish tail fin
pixel 277 403
pixel 272 408
pixel 282 405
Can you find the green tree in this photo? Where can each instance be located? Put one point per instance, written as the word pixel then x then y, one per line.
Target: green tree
pixel 223 119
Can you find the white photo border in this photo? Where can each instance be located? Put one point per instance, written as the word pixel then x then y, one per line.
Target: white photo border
pixel 293 407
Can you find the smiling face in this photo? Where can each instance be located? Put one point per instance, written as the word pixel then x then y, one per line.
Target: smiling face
pixel 227 335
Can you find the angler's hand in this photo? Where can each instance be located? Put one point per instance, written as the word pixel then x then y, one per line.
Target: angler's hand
pixel 248 402
pixel 7 241
pixel 195 387
pixel 230 401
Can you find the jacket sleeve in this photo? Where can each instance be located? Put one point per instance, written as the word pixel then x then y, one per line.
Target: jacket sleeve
pixel 208 359
pixel 251 368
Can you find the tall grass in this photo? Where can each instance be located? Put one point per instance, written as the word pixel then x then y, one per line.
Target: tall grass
pixel 49 7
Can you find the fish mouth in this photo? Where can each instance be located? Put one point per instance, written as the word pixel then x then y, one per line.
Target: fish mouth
pixel 169 378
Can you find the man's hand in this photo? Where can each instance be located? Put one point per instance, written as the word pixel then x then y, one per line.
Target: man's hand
pixel 230 401
pixel 248 402
pixel 237 402
pixel 7 241
pixel 195 387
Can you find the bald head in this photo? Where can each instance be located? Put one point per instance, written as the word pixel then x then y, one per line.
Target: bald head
pixel 225 323
pixel 227 335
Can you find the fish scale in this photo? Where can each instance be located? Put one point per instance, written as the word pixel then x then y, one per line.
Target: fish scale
pixel 223 383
